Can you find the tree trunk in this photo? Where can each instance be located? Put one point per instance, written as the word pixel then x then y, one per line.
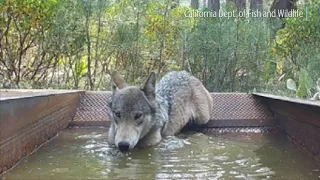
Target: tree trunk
pixel 283 5
pixel 195 4
pixel 240 4
pixel 256 4
pixel 97 54
pixel 214 5
pixel 89 74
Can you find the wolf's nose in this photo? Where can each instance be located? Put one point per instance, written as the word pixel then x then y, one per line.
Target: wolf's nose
pixel 123 146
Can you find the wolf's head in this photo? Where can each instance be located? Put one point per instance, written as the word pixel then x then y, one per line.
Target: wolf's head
pixel 133 109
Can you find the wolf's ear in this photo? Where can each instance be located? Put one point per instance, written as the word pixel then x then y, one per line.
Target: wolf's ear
pixel 149 87
pixel 117 81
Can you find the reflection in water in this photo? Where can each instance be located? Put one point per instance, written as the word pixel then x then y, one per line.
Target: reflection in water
pixel 85 154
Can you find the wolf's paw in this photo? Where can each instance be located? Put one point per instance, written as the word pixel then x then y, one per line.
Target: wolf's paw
pixel 172 142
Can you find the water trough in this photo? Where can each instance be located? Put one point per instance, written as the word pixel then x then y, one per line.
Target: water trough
pixel 30 118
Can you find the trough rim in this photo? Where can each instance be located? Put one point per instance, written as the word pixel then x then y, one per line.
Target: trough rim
pixel 35 93
pixel 288 99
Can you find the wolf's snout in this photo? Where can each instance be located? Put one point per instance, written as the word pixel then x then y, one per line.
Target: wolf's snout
pixel 123 146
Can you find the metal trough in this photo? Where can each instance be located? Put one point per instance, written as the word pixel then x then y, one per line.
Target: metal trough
pixel 29 118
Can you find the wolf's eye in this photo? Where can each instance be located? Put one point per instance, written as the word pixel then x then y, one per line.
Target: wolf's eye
pixel 117 114
pixel 138 115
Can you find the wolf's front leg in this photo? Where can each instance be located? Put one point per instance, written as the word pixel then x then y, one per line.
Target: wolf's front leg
pixel 111 134
pixel 151 139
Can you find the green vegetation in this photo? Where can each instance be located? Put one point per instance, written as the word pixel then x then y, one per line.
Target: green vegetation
pixel 75 44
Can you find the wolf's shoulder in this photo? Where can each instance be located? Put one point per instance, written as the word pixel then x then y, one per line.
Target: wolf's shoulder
pixel 172 82
pixel 175 77
pixel 177 73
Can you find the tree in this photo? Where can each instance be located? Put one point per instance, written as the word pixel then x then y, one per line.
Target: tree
pixel 283 5
pixel 214 5
pixel 240 4
pixel 195 4
pixel 256 4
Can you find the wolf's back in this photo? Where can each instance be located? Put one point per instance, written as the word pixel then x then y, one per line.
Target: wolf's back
pixel 183 98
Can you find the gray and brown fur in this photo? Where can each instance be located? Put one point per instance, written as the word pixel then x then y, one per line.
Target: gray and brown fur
pixel 142 116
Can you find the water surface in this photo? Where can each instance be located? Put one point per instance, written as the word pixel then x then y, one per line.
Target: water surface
pixel 85 154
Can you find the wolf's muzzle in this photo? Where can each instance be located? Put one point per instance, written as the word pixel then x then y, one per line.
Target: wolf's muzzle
pixel 123 146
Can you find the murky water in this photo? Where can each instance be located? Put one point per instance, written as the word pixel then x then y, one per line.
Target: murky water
pixel 84 154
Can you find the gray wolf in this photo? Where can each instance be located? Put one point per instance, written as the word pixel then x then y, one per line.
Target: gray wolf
pixel 141 116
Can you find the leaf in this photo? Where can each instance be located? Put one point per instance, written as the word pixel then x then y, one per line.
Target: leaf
pixel 305 79
pixel 83 68
pixel 254 90
pixel 280 67
pixel 302 91
pixel 291 85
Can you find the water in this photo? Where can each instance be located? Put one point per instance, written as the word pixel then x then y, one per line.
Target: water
pixel 84 154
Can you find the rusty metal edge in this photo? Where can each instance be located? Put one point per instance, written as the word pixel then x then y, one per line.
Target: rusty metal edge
pixel 211 124
pixel 89 124
pixel 287 99
pixel 38 93
pixel 239 123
